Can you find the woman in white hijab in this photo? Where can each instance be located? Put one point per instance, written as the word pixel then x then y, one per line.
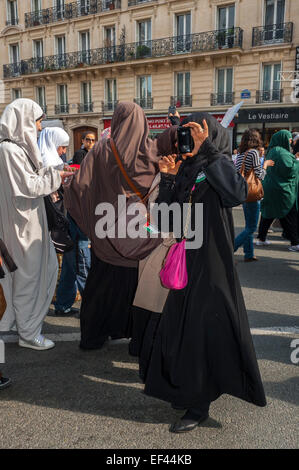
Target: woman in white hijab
pixel 23 223
pixel 52 143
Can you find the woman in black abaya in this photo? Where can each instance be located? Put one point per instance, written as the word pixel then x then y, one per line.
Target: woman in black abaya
pixel 202 344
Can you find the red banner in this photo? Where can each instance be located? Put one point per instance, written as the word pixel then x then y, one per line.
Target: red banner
pixel 161 123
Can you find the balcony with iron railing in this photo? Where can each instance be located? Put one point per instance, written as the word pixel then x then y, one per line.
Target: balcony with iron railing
pixel 69 11
pixel 224 98
pixel 145 103
pixel 132 3
pixel 62 109
pixel 272 34
pixel 157 48
pixel 181 101
pixel 85 107
pixel 109 106
pixel 269 96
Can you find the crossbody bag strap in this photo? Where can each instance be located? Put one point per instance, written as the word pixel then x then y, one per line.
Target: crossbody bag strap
pixel 242 169
pixel 124 173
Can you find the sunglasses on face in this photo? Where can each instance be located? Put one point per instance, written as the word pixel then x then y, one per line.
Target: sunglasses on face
pixel 90 140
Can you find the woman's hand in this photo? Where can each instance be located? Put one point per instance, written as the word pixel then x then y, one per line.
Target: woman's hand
pixel 168 165
pixel 65 175
pixel 199 135
pixel 268 163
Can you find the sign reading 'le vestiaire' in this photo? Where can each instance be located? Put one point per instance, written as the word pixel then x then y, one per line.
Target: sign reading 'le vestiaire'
pixel 271 115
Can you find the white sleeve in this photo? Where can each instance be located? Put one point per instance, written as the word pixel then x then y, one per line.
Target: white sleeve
pixel 24 181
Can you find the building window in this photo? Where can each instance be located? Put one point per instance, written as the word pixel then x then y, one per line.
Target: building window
pixel 60 9
pixel 144 38
pixel 84 6
pixel 183 32
pixel 14 53
pixel 226 17
pixel 110 94
pixel 274 20
pixel 16 93
pixel 183 90
pixel 86 105
pixel 84 39
pixel 14 57
pixel 38 54
pixel 109 42
pixel 12 12
pixel 144 31
pixel 271 90
pixel 224 86
pixel 144 92
pixel 35 6
pixel 63 106
pixel 41 97
pixel 60 51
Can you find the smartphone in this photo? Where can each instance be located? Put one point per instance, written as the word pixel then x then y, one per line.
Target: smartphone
pixel 171 110
pixel 185 140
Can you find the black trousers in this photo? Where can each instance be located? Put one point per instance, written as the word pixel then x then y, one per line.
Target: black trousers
pixel 289 224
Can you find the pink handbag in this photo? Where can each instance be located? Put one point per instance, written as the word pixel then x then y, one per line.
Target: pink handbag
pixel 174 273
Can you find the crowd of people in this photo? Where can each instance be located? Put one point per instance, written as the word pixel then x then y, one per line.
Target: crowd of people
pixel 193 343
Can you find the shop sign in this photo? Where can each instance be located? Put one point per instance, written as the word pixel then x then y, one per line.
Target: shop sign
pixel 280 115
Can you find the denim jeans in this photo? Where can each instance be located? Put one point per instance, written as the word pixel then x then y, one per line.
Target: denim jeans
pixel 245 238
pixel 74 270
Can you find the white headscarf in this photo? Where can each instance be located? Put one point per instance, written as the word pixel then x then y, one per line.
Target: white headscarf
pixel 18 123
pixel 49 140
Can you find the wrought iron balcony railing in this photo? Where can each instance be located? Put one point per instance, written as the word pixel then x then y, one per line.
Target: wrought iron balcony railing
pixel 62 109
pixel 181 101
pixel 85 107
pixel 166 47
pixel 145 103
pixel 69 11
pixel 222 98
pixel 269 96
pixel 272 34
pixel 132 3
pixel 109 106
pixel 12 22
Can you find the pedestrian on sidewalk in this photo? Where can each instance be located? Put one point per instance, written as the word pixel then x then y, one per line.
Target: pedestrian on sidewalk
pixel 23 223
pixel 249 152
pixel 200 347
pixel 281 190
pixel 74 271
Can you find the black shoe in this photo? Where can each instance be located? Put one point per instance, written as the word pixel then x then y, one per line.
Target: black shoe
pixel 66 312
pixel 186 425
pixel 4 383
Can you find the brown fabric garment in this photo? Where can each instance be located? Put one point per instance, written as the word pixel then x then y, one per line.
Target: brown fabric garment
pixel 166 141
pixel 100 180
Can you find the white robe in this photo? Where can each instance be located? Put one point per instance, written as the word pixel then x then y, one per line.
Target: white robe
pixel 24 230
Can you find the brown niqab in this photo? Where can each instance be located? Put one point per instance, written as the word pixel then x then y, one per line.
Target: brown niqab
pixel 100 180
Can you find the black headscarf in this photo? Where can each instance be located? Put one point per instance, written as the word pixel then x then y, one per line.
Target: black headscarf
pixel 190 168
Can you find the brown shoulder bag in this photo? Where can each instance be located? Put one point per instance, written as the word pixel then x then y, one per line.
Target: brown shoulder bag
pixel 255 187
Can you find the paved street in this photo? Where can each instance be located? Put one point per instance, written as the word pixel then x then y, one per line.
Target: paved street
pixel 67 398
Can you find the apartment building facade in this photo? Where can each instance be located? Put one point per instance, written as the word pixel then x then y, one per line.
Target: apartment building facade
pixel 77 59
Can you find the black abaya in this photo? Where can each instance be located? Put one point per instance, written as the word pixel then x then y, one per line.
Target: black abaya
pixel 106 303
pixel 202 345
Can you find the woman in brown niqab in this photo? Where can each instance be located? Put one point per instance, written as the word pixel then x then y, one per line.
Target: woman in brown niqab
pixel 112 280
